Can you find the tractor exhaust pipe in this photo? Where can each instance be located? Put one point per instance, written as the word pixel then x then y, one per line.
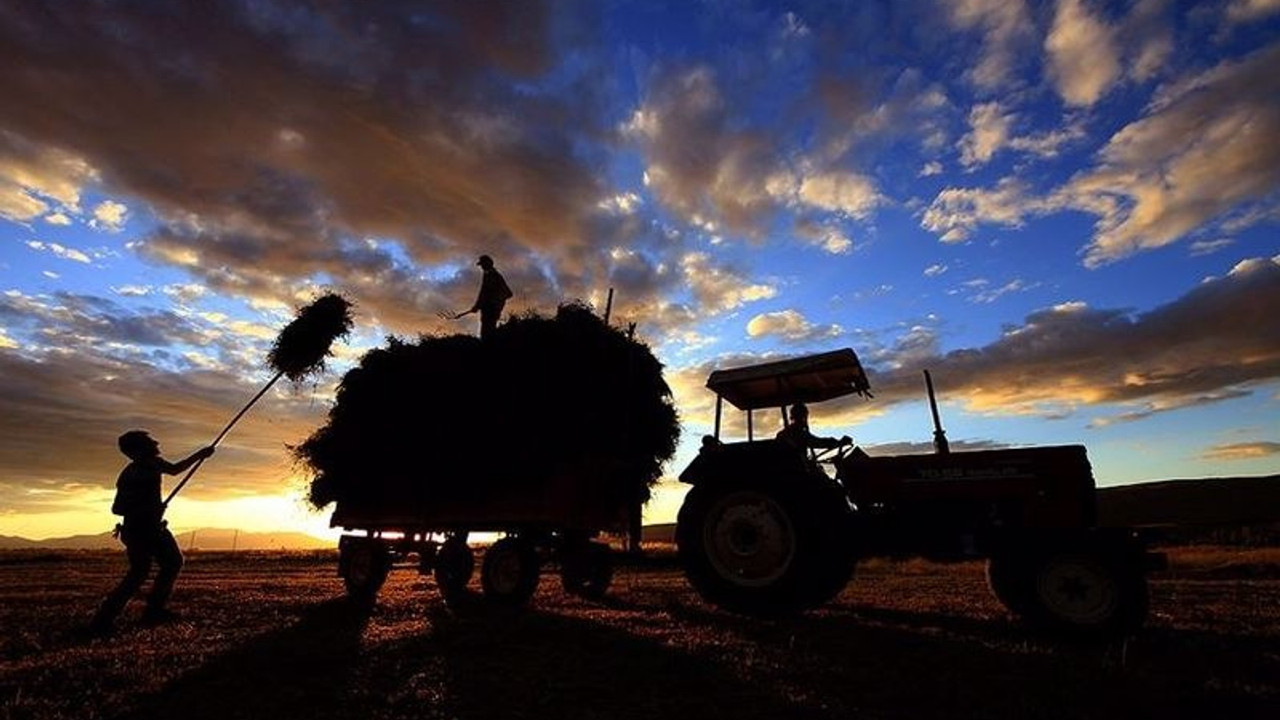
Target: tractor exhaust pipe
pixel 940 445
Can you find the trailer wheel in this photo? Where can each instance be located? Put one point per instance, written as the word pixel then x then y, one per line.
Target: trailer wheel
pixel 509 573
pixel 587 570
pixel 363 564
pixel 454 566
pixel 762 547
pixel 1086 590
pixel 1008 579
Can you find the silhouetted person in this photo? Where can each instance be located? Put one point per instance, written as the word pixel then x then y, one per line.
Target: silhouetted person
pixel 797 434
pixel 494 294
pixel 143 531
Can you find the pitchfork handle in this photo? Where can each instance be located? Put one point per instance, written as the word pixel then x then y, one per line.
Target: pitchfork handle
pixel 223 434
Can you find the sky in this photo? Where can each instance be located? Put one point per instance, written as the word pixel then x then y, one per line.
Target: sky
pixel 1068 211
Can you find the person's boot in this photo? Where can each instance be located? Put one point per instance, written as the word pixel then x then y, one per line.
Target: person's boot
pixel 101 626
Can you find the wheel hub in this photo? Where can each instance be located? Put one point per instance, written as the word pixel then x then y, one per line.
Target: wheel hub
pixel 749 539
pixel 1078 589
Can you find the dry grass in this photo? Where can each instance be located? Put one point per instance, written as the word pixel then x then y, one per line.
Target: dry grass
pixel 269 636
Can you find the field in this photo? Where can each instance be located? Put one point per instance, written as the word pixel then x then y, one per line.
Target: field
pixel 270 636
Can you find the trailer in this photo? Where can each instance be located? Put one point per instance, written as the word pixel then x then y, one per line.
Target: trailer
pixel 557 520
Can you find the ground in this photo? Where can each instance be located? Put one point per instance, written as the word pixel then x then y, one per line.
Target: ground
pixel 271 636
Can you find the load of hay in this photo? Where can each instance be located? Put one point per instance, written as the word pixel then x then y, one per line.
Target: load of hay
pixel 547 408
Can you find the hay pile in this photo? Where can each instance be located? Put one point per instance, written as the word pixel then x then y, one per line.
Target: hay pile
pixel 451 418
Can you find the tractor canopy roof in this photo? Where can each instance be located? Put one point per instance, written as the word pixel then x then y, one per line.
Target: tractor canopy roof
pixel 808 379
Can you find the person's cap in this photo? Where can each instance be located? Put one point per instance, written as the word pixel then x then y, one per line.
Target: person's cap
pixel 484 260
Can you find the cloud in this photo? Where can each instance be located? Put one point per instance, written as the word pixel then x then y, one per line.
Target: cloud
pixel 956 212
pixel 1148 33
pixel 935 270
pixel 1247 11
pixel 57 218
pixel 1006 30
pixel 442 128
pixel 1209 146
pixel 1084 58
pixel 697 163
pixel 717 288
pixel 829 238
pixel 711 169
pixel 1208 150
pixel 60 251
pixel 32 176
pixel 1242 451
pixel 1071 356
pixel 790 326
pixel 64 411
pixel 930 169
pixel 1208 247
pixel 109 215
pixel 989 131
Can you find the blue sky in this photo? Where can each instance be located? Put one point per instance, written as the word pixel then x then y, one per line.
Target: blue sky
pixel 1067 211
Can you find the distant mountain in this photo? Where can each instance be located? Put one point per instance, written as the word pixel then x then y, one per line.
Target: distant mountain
pixel 1211 501
pixel 199 539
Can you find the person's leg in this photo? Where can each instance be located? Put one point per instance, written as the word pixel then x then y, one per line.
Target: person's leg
pixel 488 322
pixel 169 557
pixel 138 549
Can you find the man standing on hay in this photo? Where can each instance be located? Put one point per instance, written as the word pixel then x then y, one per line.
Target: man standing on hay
pixel 144 532
pixel 493 296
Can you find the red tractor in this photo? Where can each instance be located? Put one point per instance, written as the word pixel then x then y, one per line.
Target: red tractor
pixel 769 529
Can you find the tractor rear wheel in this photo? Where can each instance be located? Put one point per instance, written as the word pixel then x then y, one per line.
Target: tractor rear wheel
pixel 509 573
pixel 1090 590
pixel 764 547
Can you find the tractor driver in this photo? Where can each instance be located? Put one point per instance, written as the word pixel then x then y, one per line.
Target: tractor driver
pixel 797 433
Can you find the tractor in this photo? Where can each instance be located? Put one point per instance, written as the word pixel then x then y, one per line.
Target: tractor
pixel 769 529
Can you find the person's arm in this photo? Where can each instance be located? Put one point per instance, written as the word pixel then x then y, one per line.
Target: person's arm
pixel 827 443
pixel 169 468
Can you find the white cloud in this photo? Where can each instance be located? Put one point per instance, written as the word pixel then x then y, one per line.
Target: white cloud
pixel 7 342
pixel 1084 60
pixel 988 132
pixel 930 169
pixel 1208 247
pixel 934 270
pixel 718 289
pixel 839 191
pixel 625 203
pixel 109 215
pixel 956 212
pixel 60 251
pixel 132 290
pixel 1047 144
pixel 988 296
pixel 1006 28
pixel 57 218
pixel 791 326
pixel 1208 148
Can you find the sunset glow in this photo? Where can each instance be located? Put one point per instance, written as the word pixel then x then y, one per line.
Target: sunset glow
pixel 1068 211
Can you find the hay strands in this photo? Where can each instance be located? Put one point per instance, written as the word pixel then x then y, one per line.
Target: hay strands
pixel 299 350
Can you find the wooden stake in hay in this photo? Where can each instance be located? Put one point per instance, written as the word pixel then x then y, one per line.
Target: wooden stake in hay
pixel 299 350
